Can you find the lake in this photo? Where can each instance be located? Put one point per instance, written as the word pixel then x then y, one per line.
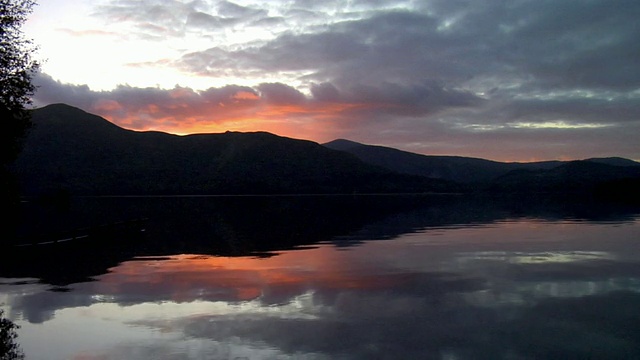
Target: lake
pixel 327 277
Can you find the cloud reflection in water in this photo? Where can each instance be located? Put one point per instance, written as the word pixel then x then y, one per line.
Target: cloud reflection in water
pixel 520 289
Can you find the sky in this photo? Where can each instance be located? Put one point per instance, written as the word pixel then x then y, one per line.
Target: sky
pixel 507 80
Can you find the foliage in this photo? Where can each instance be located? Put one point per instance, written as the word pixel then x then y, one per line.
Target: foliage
pixel 17 68
pixel 9 349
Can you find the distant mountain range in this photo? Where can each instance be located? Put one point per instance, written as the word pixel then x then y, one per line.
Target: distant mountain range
pixel 608 176
pixel 71 151
pixel 455 168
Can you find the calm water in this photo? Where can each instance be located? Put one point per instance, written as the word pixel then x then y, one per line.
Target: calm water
pixel 332 278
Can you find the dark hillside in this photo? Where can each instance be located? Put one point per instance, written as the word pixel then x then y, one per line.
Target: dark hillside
pixel 615 161
pixel 454 168
pixel 72 151
pixel 613 178
pixel 571 177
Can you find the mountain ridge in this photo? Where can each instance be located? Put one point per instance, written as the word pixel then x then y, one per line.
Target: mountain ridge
pixel 458 168
pixel 73 151
pixel 80 153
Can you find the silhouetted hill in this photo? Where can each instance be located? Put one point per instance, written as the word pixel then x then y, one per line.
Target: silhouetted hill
pixel 454 168
pixel 574 177
pixel 615 161
pixel 612 177
pixel 69 150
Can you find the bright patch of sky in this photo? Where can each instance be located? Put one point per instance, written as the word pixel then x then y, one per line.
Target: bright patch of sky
pixel 107 43
pixel 556 125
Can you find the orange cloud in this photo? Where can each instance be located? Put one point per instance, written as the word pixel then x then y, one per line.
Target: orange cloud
pixel 245 95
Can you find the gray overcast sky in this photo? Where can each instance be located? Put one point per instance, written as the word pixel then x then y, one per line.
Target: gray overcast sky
pixel 505 80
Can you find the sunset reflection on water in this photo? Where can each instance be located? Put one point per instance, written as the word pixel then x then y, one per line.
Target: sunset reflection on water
pixel 519 286
pixel 183 278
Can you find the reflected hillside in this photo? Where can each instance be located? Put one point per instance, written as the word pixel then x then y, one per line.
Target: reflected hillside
pixel 250 225
pixel 520 288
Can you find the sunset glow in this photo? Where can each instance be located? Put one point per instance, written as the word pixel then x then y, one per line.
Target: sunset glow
pixel 484 79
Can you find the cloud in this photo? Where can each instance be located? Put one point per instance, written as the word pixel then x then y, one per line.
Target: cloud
pixel 269 106
pixel 232 10
pixel 151 20
pixel 544 44
pixel 424 118
pixel 205 21
pixel 436 77
pixel 159 19
pixel 281 94
pixel 340 311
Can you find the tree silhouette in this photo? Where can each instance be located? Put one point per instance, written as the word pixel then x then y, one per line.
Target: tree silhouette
pixel 9 349
pixel 17 67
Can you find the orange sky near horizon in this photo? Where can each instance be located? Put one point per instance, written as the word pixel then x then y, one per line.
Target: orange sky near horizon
pixel 243 111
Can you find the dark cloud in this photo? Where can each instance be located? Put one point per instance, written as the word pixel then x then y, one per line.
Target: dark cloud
pixel 50 91
pixel 325 92
pixel 201 20
pixel 428 97
pixel 229 9
pixel 386 48
pixel 573 44
pixel 280 94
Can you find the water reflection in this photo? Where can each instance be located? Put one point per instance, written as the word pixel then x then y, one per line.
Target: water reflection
pixel 502 287
pixel 240 226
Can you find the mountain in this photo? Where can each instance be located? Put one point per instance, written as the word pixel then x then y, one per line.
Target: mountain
pixel 580 176
pixel 71 151
pixel 454 168
pixel 615 161
pixel 612 177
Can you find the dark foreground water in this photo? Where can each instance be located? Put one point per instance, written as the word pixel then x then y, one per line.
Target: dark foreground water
pixel 343 277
